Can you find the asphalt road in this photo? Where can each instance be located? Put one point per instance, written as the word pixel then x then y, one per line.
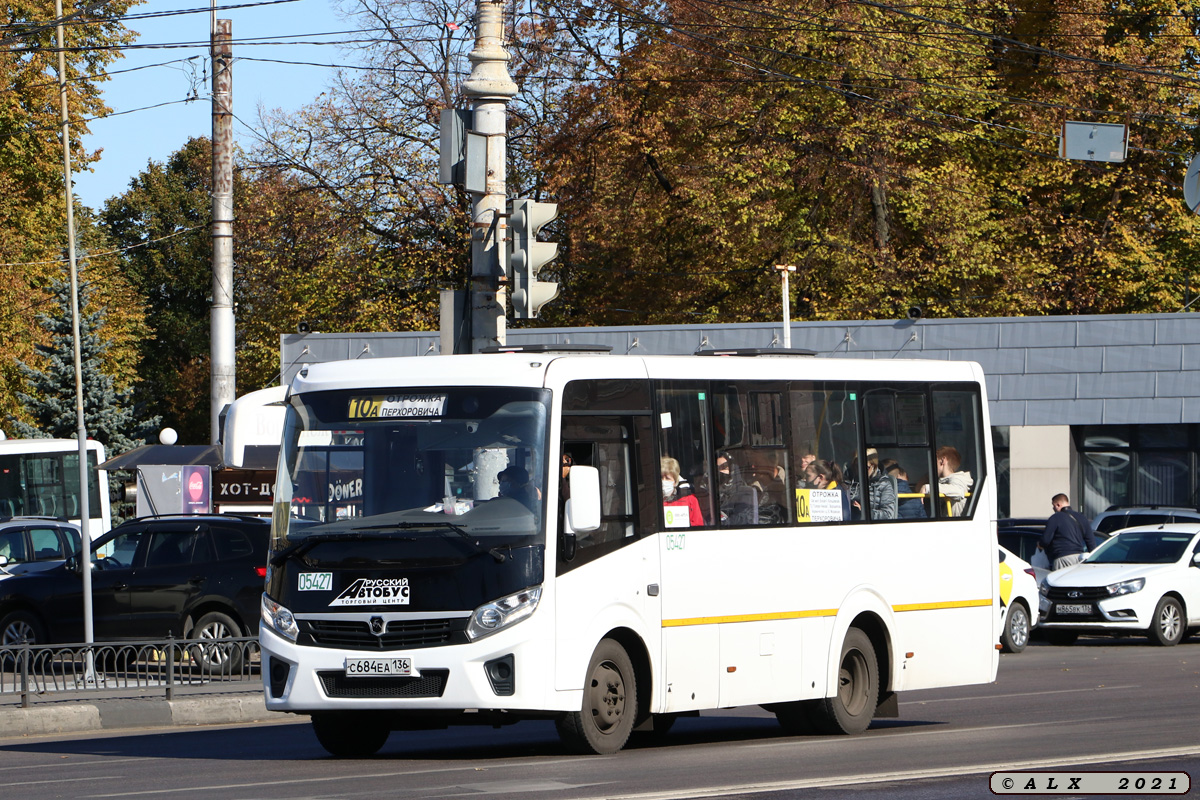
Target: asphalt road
pixel 1098 705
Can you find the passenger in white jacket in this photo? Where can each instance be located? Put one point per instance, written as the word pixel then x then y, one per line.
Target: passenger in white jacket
pixel 952 483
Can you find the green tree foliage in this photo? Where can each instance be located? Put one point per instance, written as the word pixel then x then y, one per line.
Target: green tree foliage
pixel 32 211
pixel 161 224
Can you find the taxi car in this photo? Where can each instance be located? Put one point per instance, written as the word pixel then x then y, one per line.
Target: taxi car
pixel 1018 602
pixel 1142 580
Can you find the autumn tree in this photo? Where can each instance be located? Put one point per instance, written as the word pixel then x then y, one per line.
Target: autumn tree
pixel 32 212
pixel 161 224
pixel 898 155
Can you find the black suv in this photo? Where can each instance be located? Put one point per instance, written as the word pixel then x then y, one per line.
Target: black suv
pixel 190 576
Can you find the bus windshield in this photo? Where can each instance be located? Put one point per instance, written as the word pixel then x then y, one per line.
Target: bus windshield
pixel 449 467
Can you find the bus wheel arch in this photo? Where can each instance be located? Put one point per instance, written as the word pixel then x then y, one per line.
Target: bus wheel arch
pixel 613 697
pixel 860 680
pixel 635 647
pixel 857 689
pixel 878 632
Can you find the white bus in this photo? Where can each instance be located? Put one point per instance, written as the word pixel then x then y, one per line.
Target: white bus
pixel 40 477
pixel 427 569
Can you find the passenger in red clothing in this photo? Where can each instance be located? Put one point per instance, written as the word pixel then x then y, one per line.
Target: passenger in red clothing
pixel 673 498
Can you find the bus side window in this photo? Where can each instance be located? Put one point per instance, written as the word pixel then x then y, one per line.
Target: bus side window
pixel 683 424
pixel 749 426
pixel 824 425
pixel 959 458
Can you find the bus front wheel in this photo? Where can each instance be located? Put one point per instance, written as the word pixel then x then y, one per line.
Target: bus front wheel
pixel 610 704
pixel 347 734
pixel 851 709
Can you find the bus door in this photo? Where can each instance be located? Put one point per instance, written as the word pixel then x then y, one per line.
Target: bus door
pixel 611 578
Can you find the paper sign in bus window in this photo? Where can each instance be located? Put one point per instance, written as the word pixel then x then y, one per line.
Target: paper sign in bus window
pixel 818 505
pixel 677 516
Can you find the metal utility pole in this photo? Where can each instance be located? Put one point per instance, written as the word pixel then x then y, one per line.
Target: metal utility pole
pixel 490 87
pixel 222 326
pixel 785 270
pixel 81 425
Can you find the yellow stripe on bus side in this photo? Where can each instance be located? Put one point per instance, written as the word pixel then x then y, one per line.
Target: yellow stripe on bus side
pixel 677 623
pixel 987 601
pixel 821 612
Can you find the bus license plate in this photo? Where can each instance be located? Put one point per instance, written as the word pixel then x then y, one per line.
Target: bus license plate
pixel 1084 608
pixel 359 667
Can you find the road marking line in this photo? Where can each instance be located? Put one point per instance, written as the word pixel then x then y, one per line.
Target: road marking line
pixel 891 777
pixel 1019 694
pixel 371 775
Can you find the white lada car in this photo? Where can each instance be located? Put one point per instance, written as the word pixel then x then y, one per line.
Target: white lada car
pixel 1142 580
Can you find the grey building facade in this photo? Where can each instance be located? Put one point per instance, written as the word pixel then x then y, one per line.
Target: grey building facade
pixel 1104 408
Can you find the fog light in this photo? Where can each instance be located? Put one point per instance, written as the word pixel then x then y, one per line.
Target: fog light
pixel 502 674
pixel 279 672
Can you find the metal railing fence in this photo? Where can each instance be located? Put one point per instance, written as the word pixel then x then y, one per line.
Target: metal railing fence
pixel 57 671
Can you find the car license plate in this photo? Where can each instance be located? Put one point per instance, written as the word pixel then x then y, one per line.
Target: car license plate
pixel 1081 608
pixel 360 667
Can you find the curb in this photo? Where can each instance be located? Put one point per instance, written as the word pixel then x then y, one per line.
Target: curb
pixel 133 713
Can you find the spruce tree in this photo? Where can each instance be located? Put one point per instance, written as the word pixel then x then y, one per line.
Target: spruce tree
pixel 108 411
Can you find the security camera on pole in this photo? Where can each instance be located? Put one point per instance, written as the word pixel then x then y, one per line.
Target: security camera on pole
pixel 490 88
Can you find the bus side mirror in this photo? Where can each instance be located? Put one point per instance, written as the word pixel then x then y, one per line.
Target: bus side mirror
pixel 583 509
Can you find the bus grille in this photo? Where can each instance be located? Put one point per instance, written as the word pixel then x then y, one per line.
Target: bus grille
pixel 400 634
pixel 432 683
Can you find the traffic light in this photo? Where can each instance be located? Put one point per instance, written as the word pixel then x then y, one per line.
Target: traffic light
pixel 527 256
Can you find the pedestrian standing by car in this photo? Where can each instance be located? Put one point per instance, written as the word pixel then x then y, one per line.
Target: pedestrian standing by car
pixel 1068 534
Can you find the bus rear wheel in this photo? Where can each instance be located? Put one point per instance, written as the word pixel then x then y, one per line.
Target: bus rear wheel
pixel 347 734
pixel 603 725
pixel 852 708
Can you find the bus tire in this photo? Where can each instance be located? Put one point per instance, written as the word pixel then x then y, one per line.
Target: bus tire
pixel 346 734
pixel 610 704
pixel 851 710
pixel 1015 635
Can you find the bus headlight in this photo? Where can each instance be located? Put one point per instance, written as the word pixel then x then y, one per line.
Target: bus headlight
pixel 279 619
pixel 1125 587
pixel 491 617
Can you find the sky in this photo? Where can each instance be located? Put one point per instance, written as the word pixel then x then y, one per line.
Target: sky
pixel 130 140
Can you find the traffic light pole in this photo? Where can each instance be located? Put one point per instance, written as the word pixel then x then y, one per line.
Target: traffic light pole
pixel 489 87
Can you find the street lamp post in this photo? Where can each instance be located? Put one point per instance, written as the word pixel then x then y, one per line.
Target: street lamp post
pixel 784 271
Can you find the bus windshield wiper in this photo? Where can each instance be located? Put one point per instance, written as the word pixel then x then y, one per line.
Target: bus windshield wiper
pixel 312 540
pixel 405 526
pixel 374 532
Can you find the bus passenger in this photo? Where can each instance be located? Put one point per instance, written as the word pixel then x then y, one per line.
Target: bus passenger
pixel 881 489
pixel 952 483
pixel 823 474
pixel 672 496
pixel 909 507
pixel 738 502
